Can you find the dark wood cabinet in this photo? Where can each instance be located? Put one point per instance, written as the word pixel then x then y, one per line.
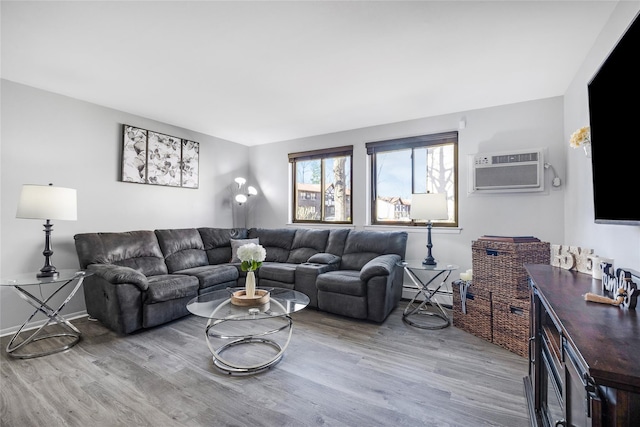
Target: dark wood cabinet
pixel 584 357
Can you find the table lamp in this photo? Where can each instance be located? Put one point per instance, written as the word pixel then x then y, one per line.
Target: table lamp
pixel 47 202
pixel 429 207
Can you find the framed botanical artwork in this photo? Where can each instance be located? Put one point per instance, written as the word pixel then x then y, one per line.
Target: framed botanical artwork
pixel 163 159
pixel 134 155
pixel 190 163
pixel 155 158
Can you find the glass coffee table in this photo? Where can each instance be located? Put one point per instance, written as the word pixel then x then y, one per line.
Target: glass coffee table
pixel 248 335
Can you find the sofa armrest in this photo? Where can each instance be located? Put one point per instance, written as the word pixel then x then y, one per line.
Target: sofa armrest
pixel 314 268
pixel 324 258
pixel 382 265
pixel 118 275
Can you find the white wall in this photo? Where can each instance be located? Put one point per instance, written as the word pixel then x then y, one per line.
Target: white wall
pixel 536 124
pixel 52 138
pixel 620 242
pixel 49 138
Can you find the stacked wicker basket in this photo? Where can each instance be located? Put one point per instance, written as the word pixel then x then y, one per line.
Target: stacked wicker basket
pixel 497 300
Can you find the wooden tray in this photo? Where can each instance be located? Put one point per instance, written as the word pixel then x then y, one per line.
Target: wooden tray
pixel 240 298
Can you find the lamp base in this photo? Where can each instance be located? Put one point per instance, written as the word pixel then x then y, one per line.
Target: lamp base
pixel 429 261
pixel 47 274
pixel 48 270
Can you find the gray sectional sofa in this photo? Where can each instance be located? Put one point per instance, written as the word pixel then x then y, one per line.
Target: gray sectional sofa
pixel 145 278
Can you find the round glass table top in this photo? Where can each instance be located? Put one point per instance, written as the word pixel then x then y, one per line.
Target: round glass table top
pixel 26 279
pixel 217 305
pixel 416 264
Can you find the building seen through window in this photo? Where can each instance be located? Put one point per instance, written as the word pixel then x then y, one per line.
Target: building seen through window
pixel 402 167
pixel 322 185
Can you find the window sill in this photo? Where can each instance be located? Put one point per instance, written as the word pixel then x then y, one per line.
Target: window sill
pixel 409 229
pixel 415 229
pixel 319 225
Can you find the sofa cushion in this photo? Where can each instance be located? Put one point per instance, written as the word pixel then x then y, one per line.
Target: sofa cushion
pixel 212 275
pixel 236 243
pixel 277 242
pixel 135 249
pixel 278 271
pixel 336 241
pixel 307 243
pixel 345 282
pixel 182 248
pixel 217 242
pixel 363 246
pixel 167 287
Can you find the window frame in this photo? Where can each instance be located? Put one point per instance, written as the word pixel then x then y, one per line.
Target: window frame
pixel 412 143
pixel 321 154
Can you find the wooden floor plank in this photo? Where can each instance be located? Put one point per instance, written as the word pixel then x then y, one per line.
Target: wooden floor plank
pixel 335 372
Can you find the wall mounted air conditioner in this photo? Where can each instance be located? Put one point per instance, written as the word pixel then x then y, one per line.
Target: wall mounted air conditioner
pixel 507 171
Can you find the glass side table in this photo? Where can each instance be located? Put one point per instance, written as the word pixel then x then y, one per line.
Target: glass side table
pixel 426 313
pixel 26 285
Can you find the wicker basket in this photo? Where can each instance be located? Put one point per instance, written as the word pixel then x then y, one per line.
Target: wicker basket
pixel 477 319
pixel 498 267
pixel 511 325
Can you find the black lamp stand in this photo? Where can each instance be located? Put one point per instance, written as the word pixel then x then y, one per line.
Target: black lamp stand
pixel 48 270
pixel 429 260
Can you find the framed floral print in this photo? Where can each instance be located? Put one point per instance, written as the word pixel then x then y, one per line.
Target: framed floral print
pixel 155 158
pixel 190 163
pixel 134 155
pixel 163 159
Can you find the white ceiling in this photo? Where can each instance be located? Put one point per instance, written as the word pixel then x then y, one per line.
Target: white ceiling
pixel 265 71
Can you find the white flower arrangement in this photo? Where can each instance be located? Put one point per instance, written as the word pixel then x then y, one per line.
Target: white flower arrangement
pixel 580 137
pixel 251 256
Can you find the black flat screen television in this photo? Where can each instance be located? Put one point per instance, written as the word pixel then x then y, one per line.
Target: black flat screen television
pixel 614 116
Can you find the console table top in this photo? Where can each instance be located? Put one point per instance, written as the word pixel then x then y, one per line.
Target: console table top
pixel 606 336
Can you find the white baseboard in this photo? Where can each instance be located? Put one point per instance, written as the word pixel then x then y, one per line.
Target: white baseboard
pixel 444 296
pixel 12 330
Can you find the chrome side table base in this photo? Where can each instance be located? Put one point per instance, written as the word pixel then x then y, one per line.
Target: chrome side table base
pixel 431 309
pixel 16 348
pixel 426 313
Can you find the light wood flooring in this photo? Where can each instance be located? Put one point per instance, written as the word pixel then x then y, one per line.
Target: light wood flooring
pixel 335 372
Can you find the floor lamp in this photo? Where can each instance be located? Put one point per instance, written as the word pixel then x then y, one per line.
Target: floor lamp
pixel 429 207
pixel 47 202
pixel 241 197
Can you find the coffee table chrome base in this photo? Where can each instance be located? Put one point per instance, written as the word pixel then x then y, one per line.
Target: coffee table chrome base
pixel 230 367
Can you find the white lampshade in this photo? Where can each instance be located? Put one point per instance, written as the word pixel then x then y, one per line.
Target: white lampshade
pixel 47 202
pixel 240 181
pixel 241 198
pixel 429 206
pixel 251 190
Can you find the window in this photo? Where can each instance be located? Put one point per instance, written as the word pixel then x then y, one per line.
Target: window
pixel 322 185
pixel 402 167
